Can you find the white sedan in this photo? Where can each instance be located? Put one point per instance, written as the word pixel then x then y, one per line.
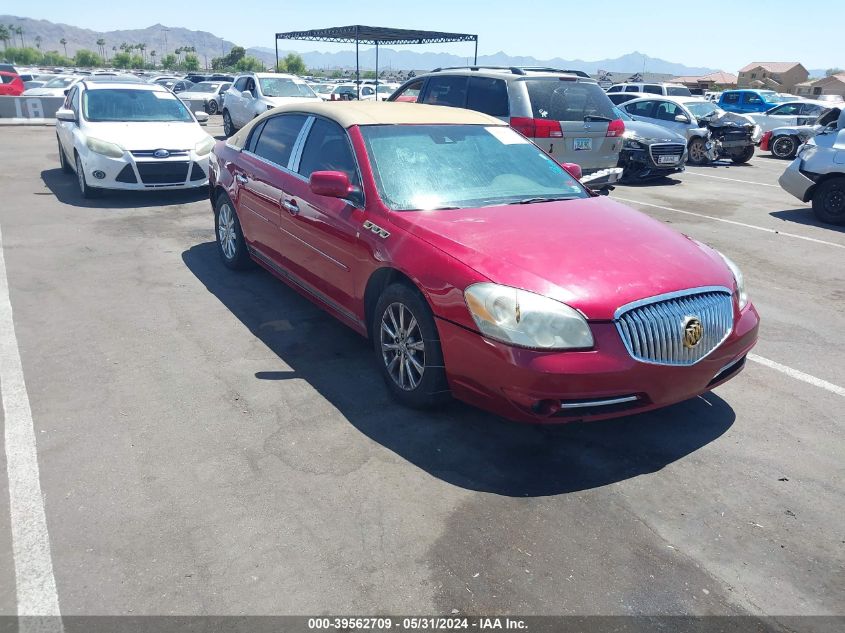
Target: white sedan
pixel 793 113
pixel 137 136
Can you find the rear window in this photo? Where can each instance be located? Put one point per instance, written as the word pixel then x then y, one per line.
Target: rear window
pixel 7 79
pixel 678 91
pixel 567 100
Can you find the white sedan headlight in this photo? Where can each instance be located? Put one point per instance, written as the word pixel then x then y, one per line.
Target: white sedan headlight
pixel 105 148
pixel 742 294
pixel 204 146
pixel 526 319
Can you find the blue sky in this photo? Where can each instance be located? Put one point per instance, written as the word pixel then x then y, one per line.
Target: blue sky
pixel 714 33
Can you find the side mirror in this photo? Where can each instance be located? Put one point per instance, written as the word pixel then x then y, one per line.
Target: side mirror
pixel 573 169
pixel 332 184
pixel 247 94
pixel 64 114
pixel 682 118
pixel 66 91
pixel 202 117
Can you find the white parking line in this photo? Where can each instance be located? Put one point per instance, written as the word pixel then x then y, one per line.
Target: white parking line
pixel 798 375
pixel 748 226
pixel 747 182
pixel 34 581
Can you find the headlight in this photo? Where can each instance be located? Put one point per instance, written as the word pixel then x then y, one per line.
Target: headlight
pixel 630 143
pixel 741 294
pixel 525 319
pixel 104 147
pixel 204 146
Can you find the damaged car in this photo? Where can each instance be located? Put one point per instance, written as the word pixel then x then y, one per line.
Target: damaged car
pixel 649 151
pixel 783 142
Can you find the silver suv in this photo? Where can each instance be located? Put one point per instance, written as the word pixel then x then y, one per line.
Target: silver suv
pixel 567 115
pixel 254 93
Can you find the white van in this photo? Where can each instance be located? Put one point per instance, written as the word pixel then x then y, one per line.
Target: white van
pixel 665 89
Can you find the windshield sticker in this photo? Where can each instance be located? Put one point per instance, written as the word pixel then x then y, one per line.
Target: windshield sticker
pixel 506 136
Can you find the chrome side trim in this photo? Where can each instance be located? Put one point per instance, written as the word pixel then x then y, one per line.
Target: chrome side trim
pixel 597 403
pixel 316 250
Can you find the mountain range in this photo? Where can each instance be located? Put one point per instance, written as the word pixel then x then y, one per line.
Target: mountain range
pixel 164 39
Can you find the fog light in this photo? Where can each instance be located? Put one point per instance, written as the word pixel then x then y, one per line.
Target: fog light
pixel 99 175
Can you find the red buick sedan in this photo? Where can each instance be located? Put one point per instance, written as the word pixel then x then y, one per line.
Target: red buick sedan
pixel 479 267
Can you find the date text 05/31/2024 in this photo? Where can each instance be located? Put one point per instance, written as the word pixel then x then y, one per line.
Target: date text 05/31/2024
pixel 416 623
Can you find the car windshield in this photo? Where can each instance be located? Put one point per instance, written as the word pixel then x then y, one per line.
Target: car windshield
pixel 701 109
pixel 204 87
pixel 60 82
pixel 284 87
pixel 115 104
pixel 429 167
pixel 386 89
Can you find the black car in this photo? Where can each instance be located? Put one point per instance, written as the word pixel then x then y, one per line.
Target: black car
pixel 649 151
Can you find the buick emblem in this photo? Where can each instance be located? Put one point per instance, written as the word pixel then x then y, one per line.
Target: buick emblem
pixel 161 153
pixel 693 331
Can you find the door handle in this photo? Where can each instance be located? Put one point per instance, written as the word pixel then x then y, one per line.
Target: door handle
pixel 241 179
pixel 291 206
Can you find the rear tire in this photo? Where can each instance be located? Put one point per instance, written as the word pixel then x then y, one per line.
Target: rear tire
pixel 231 244
pixel 697 152
pixel 228 126
pixel 66 168
pixel 784 147
pixel 743 156
pixel 212 107
pixel 829 201
pixel 407 348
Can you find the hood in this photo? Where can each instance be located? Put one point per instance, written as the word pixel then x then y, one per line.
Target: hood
pixel 278 101
pixel 44 92
pixel 187 94
pixel 139 136
pixel 651 133
pixel 593 254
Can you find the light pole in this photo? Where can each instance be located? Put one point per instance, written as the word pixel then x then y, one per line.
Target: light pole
pixel 165 40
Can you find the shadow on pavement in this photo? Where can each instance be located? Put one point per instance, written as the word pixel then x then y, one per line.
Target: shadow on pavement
pixel 667 181
pixel 65 188
pixel 458 444
pixel 805 215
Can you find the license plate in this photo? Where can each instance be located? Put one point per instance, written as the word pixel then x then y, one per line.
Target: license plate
pixel 667 160
pixel 582 143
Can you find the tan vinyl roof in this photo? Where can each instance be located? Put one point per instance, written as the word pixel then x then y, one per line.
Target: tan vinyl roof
pixel 349 113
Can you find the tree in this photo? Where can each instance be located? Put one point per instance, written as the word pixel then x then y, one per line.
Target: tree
pixel 136 62
pixel 168 61
pixel 101 47
pixel 143 48
pixel 249 64
pixel 191 63
pixel 63 42
pixel 121 60
pixel 86 58
pixel 38 41
pixel 153 58
pixel 292 63
pixel 19 31
pixel 832 71
pixel 5 36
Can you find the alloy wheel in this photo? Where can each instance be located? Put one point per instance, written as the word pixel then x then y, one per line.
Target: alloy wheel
pixel 226 231
pixel 783 147
pixel 80 175
pixel 402 346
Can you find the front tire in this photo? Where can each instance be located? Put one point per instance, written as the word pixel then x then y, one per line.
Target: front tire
pixel 228 126
pixel 784 147
pixel 743 156
pixel 407 348
pixel 697 151
pixel 86 191
pixel 829 201
pixel 231 244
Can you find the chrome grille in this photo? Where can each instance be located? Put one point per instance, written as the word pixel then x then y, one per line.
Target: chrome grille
pixel 150 153
pixel 653 329
pixel 666 149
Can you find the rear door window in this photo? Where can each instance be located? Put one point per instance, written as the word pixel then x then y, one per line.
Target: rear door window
pixel 730 97
pixel 277 138
pixel 640 108
pixel 750 97
pixel 567 100
pixel 632 89
pixel 652 89
pixel 615 89
pixel 488 95
pixel 447 91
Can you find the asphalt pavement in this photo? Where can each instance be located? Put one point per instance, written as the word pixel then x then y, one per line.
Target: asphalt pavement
pixel 211 443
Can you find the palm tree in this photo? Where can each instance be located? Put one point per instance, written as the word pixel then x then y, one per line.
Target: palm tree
pixel 63 42
pixel 38 41
pixel 143 48
pixel 113 51
pixel 4 36
pixel 19 31
pixel 153 58
pixel 101 45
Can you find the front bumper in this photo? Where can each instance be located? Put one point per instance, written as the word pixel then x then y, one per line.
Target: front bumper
pixel 133 173
pixel 638 164
pixel 554 387
pixel 793 181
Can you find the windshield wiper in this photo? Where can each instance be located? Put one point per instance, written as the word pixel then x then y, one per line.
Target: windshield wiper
pixel 540 199
pixel 596 117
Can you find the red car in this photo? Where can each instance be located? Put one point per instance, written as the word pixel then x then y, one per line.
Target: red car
pixel 11 85
pixel 479 267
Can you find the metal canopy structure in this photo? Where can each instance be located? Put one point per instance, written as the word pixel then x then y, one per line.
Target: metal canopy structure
pixel 374 35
